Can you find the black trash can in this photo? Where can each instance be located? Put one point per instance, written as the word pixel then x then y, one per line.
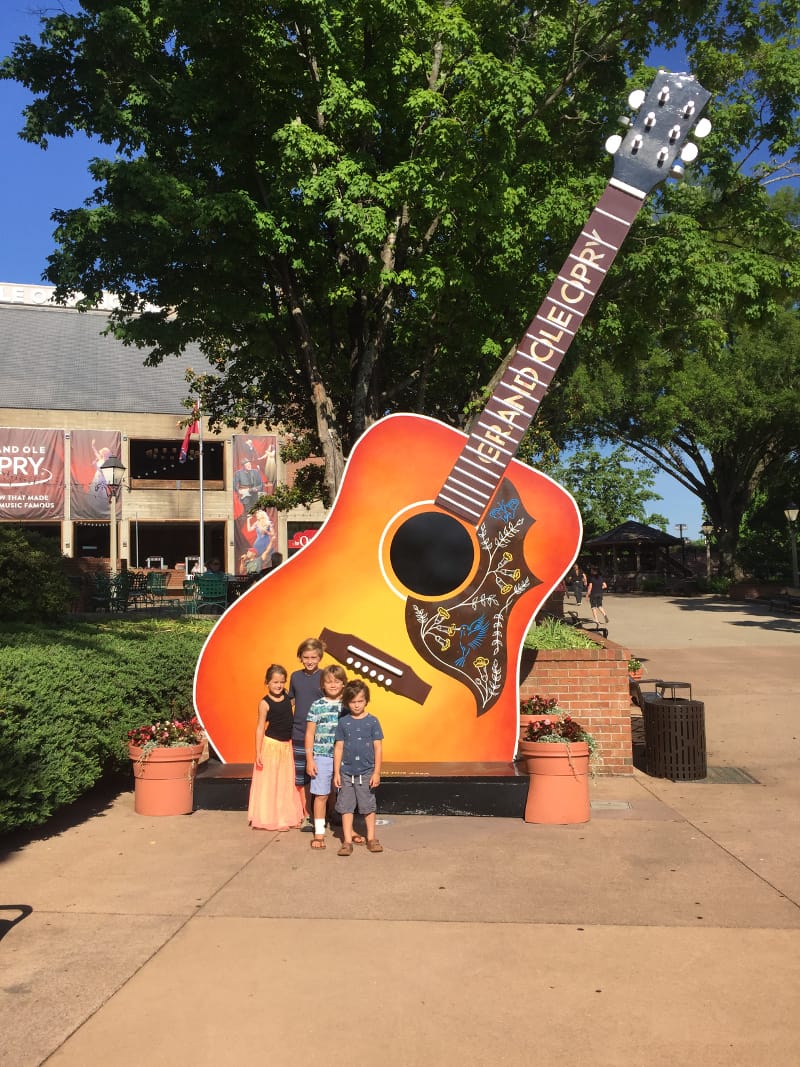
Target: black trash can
pixel 675 738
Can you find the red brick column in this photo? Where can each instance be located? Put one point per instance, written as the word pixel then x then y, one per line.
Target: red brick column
pixel 592 686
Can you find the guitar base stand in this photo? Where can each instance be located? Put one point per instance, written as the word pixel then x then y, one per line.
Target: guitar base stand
pixel 490 789
pixel 496 790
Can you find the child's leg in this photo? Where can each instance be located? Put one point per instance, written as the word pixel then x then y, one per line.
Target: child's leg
pixel 347 827
pixel 369 820
pixel 320 807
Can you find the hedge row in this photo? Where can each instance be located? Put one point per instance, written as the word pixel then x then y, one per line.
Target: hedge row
pixel 70 693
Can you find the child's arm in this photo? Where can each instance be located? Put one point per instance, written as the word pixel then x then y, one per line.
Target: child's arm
pixel 338 752
pixel 261 727
pixel 311 767
pixel 375 777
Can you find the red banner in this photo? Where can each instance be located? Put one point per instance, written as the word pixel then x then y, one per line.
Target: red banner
pixel 31 474
pixel 89 451
pixel 255 472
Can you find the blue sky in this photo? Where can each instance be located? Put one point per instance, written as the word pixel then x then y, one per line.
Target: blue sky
pixel 33 183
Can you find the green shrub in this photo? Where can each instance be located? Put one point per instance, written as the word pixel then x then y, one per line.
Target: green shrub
pixel 720 586
pixel 33 582
pixel 69 695
pixel 550 634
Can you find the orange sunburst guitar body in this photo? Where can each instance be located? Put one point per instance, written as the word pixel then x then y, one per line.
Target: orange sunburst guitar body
pixel 345 582
pixel 441 547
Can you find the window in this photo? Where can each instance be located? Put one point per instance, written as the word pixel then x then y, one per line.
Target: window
pixel 155 464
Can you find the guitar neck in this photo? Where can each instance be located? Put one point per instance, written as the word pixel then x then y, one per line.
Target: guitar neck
pixel 498 432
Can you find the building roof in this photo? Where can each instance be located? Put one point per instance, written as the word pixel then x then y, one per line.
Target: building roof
pixel 633 533
pixel 58 359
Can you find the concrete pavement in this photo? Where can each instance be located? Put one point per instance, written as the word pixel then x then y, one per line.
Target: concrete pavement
pixel 666 928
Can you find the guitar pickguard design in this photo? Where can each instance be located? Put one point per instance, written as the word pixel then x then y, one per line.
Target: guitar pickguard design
pixel 465 636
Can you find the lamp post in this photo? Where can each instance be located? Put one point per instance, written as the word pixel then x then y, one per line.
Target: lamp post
pixel 113 472
pixel 707 530
pixel 790 511
pixel 681 526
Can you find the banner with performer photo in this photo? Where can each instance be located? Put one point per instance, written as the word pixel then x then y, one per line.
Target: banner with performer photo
pixel 255 472
pixel 31 474
pixel 88 486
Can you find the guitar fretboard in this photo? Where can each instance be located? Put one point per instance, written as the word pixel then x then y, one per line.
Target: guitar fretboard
pixel 498 432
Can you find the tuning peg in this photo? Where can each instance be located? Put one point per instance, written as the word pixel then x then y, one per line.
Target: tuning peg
pixel 663 95
pixel 636 98
pixel 650 120
pixel 613 143
pixel 624 120
pixel 689 153
pixel 703 128
pixel 674 133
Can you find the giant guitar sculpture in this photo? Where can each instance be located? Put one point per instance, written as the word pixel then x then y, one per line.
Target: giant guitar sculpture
pixel 441 547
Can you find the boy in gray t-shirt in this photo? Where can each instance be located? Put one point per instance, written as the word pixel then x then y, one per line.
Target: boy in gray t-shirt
pixel 357 755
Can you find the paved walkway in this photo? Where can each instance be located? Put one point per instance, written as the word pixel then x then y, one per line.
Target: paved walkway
pixel 666 930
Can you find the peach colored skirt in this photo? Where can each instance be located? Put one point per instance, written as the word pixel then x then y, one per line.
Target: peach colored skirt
pixel 275 803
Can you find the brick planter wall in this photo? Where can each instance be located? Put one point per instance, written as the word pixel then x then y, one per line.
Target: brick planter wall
pixel 591 685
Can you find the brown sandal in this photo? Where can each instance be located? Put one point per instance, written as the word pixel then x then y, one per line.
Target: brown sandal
pixel 374 845
pixel 318 843
pixel 346 849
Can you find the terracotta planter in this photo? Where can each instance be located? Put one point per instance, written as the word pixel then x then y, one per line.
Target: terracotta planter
pixel 164 779
pixel 558 791
pixel 636 676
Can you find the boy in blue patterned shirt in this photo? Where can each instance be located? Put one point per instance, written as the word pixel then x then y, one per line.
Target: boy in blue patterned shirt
pixel 323 718
pixel 357 756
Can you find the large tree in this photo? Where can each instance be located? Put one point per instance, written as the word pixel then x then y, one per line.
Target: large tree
pixel 353 208
pixel 725 425
pixel 607 489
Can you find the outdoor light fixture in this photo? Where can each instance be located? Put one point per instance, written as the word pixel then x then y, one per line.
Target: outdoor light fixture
pixel 790 511
pixel 113 472
pixel 707 530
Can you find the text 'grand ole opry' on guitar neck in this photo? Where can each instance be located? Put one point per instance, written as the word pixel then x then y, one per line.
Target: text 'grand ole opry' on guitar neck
pixel 441 547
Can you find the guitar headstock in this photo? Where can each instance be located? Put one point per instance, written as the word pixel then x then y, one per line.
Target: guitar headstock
pixel 656 140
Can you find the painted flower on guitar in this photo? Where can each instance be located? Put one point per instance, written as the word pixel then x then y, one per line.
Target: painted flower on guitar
pixel 477 620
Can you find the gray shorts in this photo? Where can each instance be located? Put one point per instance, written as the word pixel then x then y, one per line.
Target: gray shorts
pixel 356 795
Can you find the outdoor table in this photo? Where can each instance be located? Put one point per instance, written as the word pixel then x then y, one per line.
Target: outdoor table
pixel 672 686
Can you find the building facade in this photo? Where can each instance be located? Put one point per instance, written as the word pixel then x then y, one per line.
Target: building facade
pixel 72 396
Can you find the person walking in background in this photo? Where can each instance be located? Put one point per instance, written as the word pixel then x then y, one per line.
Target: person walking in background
pixel 275 803
pixel 597 586
pixel 577 582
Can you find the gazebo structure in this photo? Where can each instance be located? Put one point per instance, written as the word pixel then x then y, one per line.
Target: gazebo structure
pixel 633 552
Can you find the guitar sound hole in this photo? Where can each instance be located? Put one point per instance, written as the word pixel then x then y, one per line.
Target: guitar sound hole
pixel 431 554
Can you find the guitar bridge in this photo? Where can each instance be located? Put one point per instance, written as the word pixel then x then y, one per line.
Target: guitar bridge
pixel 375 666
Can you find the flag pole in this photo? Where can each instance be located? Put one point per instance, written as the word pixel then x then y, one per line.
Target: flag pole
pixel 200 453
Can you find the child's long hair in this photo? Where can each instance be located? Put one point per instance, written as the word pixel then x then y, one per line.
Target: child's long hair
pixel 275 668
pixel 352 689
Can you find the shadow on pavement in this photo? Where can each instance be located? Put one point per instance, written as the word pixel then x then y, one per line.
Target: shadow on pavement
pixel 758 614
pixel 96 802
